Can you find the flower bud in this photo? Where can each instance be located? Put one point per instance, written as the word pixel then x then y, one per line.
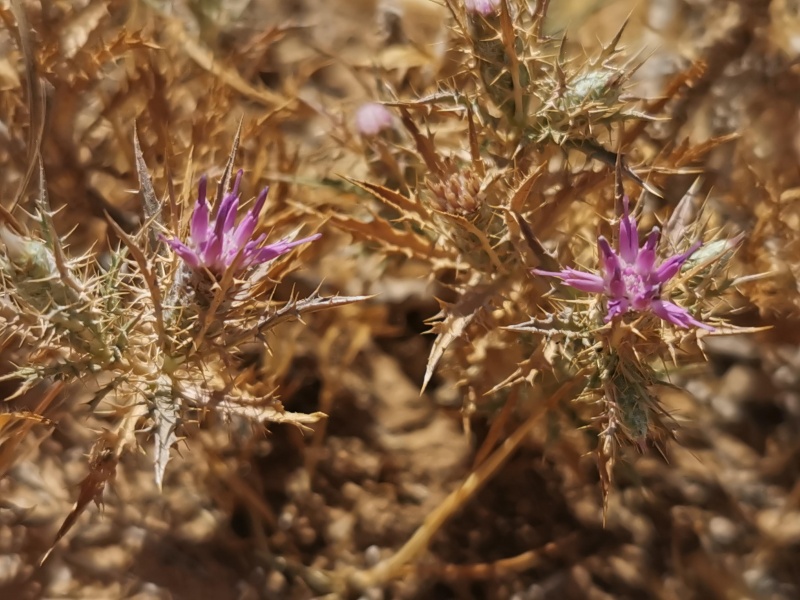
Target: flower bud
pixel 27 257
pixel 372 118
pixel 459 193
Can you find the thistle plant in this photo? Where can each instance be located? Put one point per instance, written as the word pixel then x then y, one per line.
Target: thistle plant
pixel 507 185
pixel 495 205
pixel 160 330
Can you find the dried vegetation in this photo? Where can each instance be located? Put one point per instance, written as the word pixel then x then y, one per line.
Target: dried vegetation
pixel 437 397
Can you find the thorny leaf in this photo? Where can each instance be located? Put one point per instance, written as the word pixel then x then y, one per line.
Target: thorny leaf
pixel 392 238
pixel 457 318
pixel 205 59
pixel 54 242
pixel 408 209
pixel 270 414
pixel 425 145
pixel 149 277
pixel 165 416
pixel 298 307
pixel 152 207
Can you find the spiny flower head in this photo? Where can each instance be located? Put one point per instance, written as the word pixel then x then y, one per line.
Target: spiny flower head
pixel 214 244
pixel 630 279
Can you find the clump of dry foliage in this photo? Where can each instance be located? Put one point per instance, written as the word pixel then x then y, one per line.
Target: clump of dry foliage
pixel 517 319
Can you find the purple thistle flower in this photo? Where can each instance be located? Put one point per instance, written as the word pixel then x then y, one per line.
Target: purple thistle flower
pixel 216 244
pixel 482 7
pixel 630 279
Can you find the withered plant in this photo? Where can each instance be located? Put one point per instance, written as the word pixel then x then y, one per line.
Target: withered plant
pixel 562 223
pixel 156 332
pixel 509 177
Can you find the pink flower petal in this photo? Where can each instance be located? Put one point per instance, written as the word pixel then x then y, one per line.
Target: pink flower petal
pixel 676 315
pixel 198 226
pixel 187 254
pixel 647 255
pixel 609 261
pixel 585 282
pixel 273 251
pixel 670 267
pixel 248 225
pixel 616 308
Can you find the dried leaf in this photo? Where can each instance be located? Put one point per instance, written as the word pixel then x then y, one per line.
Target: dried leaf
pixel 150 280
pixel 391 238
pixel 684 215
pixel 227 174
pixel 13 417
pixel 270 414
pixel 205 59
pixel 406 207
pixel 612 159
pixel 295 309
pixel 77 30
pixel 456 319
pixel 152 207
pixel 425 145
pixel 521 195
pixel 165 416
pixel 9 446
pixel 543 259
pixel 102 468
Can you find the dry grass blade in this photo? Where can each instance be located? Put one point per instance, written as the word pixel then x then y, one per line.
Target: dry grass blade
pixel 36 100
pixel 18 429
pixel 271 414
pixel 418 543
pixel 503 567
